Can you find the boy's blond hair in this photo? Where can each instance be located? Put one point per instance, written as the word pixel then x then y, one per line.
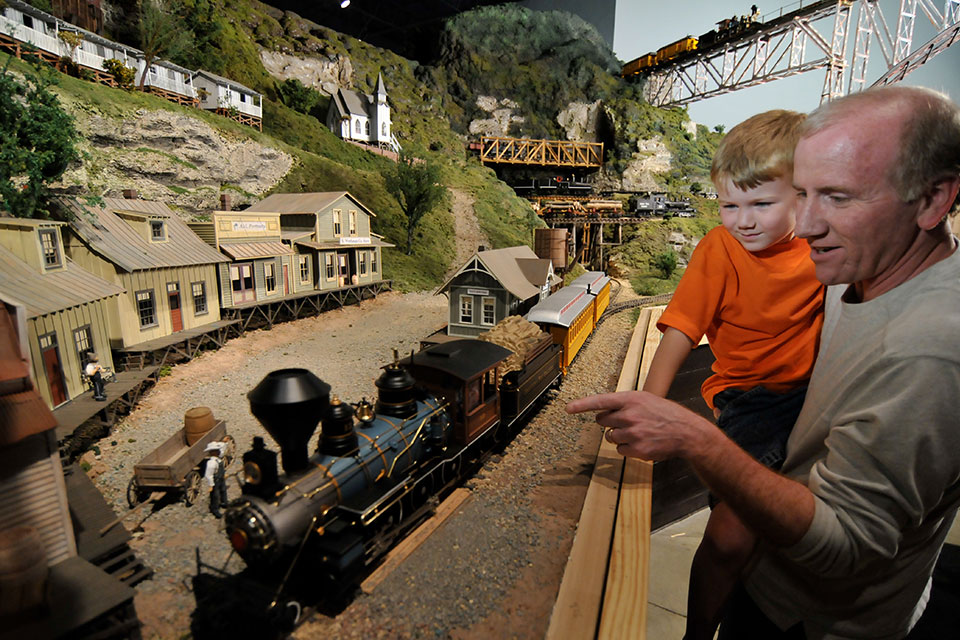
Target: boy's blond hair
pixel 758 150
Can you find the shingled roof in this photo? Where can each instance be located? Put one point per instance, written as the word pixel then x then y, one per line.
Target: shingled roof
pixel 511 267
pixel 106 233
pixel 43 293
pixel 302 202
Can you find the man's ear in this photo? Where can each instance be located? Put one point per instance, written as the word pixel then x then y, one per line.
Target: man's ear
pixel 936 201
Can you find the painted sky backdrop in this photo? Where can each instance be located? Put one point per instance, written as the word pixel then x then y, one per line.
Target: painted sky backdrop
pixel 643 26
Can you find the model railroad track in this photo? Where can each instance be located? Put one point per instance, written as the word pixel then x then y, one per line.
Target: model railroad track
pixel 617 307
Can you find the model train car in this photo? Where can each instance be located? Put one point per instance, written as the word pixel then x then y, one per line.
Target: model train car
pixel 332 512
pixel 727 29
pixel 572 313
pixel 557 185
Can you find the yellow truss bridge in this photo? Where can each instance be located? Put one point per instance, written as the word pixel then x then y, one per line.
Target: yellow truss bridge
pixel 547 153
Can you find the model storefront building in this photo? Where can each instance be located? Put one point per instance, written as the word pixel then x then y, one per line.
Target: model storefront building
pixel 331 234
pixel 494 284
pixel 262 267
pixel 169 274
pixel 67 309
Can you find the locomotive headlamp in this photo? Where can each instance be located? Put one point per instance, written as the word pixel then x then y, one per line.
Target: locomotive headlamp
pixel 251 473
pixel 239 540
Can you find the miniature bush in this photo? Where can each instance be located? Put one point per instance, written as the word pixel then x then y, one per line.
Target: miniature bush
pixel 37 142
pixel 122 74
pixel 666 263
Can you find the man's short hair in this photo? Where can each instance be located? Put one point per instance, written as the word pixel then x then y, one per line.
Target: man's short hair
pixel 929 138
pixel 758 150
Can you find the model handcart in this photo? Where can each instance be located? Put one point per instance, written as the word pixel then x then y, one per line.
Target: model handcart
pixel 175 465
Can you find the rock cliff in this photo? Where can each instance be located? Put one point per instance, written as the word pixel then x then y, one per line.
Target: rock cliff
pixel 173 158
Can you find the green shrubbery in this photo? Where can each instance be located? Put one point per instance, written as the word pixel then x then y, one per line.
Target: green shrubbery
pixel 37 141
pixel 123 75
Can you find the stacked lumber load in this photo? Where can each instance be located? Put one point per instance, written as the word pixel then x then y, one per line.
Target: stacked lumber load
pixel 519 336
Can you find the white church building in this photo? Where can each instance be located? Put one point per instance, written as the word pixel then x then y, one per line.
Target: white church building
pixel 362 118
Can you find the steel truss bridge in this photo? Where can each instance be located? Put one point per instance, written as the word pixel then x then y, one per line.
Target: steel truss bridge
pixel 810 35
pixel 546 153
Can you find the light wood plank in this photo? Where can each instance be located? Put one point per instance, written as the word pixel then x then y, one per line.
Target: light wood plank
pixel 578 606
pixel 403 550
pixel 651 342
pixel 624 612
pixel 625 600
pixel 631 362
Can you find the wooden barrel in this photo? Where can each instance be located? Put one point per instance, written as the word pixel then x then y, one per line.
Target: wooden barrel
pixel 23 571
pixel 197 421
pixel 552 244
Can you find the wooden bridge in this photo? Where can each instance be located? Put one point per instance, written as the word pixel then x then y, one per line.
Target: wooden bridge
pixel 545 153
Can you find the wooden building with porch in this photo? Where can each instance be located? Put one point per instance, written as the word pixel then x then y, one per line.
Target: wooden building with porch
pixel 67 308
pixel 262 268
pixel 332 236
pixel 168 272
pixel 229 99
pixel 494 284
pixel 22 24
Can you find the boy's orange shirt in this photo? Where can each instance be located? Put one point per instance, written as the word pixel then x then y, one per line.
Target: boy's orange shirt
pixel 762 312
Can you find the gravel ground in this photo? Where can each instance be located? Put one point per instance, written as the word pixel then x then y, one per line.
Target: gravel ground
pixel 492 570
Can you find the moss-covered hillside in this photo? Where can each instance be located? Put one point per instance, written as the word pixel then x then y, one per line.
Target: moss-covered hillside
pixel 541 61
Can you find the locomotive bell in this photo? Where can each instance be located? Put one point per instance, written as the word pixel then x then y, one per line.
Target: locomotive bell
pixel 289 403
pixel 337 437
pixel 395 386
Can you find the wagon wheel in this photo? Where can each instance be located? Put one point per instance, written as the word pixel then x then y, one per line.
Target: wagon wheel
pixel 230 451
pixel 191 488
pixel 135 495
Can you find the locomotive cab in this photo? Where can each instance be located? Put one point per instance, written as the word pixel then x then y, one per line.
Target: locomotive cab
pixel 465 374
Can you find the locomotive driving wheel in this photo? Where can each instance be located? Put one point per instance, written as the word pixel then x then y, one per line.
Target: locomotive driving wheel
pixel 450 470
pixel 191 488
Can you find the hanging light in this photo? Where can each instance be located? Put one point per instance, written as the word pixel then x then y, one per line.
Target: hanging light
pixel 345 4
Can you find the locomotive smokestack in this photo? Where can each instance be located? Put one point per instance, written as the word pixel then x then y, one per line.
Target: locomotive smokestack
pixel 289 403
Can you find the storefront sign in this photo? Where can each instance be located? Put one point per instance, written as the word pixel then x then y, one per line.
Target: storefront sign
pixel 352 240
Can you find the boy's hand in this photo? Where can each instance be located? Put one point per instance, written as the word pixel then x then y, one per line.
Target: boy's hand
pixel 646 426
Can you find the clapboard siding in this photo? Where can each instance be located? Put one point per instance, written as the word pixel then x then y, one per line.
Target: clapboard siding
pixel 32 493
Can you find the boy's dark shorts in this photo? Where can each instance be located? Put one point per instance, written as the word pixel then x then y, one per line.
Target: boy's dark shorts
pixel 759 421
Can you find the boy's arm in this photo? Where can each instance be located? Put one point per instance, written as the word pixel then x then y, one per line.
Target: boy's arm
pixel 674 348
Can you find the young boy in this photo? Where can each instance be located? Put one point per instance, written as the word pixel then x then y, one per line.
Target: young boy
pixel 750 287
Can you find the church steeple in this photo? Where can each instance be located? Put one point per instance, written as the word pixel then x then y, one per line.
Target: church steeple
pixel 381 90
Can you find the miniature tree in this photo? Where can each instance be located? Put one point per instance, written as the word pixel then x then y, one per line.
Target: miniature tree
pixel 37 143
pixel 161 34
pixel 666 263
pixel 416 186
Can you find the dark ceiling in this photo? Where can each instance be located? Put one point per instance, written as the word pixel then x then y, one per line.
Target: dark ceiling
pixel 408 27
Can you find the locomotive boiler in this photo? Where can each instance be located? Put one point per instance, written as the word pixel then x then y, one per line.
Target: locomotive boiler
pixel 335 510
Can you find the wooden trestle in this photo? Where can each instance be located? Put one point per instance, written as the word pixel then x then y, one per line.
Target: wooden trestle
pixel 266 314
pixel 587 237
pixel 177 347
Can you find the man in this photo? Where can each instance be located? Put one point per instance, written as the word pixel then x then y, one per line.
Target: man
pixel 214 475
pixel 95 372
pixel 852 528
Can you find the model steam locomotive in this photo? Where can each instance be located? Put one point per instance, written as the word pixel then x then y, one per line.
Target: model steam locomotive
pixel 333 511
